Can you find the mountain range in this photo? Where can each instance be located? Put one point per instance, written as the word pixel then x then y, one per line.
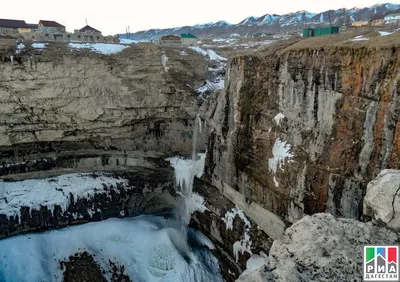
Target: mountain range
pixel 273 23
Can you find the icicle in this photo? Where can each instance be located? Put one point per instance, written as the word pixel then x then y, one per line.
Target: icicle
pixel 185 172
pixel 200 124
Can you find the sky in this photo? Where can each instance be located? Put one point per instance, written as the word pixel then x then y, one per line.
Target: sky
pixel 112 17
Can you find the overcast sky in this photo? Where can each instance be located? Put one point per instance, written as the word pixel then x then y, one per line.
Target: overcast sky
pixel 112 17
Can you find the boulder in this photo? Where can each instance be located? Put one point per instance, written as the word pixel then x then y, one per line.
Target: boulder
pixel 382 201
pixel 320 248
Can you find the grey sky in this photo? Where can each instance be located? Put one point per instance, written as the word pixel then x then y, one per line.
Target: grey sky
pixel 113 16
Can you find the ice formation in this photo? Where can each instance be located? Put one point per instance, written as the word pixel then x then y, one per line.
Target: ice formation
pixel 278 118
pixel 148 247
pixel 244 245
pixel 281 152
pixel 54 191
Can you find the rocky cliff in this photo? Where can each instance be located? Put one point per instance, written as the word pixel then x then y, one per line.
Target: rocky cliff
pixel 320 248
pixel 301 128
pixel 64 107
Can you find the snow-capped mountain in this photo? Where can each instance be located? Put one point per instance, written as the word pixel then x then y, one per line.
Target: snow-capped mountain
pixel 272 23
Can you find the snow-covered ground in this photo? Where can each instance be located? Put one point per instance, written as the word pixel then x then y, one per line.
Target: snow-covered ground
pixel 208 53
pixel 39 46
pixel 385 33
pixel 20 47
pixel 359 38
pixel 127 41
pixel 152 249
pixel 238 44
pixel 211 86
pixel 53 191
pixel 101 48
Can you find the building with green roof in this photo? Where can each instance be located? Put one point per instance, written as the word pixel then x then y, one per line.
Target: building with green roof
pixel 188 39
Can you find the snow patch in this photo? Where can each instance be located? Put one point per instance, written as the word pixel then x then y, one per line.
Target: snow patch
pixel 281 153
pixel 256 261
pixel 359 38
pixel 278 118
pixel 183 53
pixel 20 47
pixel 210 86
pixel 100 48
pixel 164 61
pixel 39 46
pixel 127 41
pixel 385 33
pixel 276 182
pixel 51 192
pixel 208 53
pixel 230 216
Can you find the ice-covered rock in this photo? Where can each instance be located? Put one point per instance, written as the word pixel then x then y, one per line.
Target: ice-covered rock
pixel 320 248
pixel 382 201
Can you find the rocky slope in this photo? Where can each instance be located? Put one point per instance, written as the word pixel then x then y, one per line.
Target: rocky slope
pixel 323 248
pixel 74 108
pixel 302 128
pixel 382 201
pixel 272 23
pixel 320 248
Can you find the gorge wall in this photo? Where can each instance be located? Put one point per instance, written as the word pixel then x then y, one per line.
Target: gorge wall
pixel 63 108
pixel 84 137
pixel 301 128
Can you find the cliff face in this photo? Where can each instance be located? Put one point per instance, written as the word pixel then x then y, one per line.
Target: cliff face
pixel 303 130
pixel 85 104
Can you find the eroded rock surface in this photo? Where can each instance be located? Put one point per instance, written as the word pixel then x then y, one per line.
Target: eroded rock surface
pixel 302 130
pixel 234 235
pixel 382 201
pixel 321 248
pixel 77 105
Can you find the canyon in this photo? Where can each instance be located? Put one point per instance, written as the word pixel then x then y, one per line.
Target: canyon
pixel 291 146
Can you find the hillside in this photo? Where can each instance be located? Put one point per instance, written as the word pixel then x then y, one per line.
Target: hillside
pixel 272 23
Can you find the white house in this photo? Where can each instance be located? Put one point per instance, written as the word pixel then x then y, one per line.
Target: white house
pixel 392 18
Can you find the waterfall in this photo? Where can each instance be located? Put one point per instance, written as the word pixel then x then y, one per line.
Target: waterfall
pixel 185 172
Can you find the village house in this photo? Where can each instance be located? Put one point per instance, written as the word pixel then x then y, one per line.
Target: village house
pixel 51 27
pixel 320 31
pixel 28 28
pixel 188 39
pixel 378 22
pixel 11 27
pixel 392 19
pixel 49 30
pixel 33 27
pixel 170 40
pixel 87 34
pixel 362 23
